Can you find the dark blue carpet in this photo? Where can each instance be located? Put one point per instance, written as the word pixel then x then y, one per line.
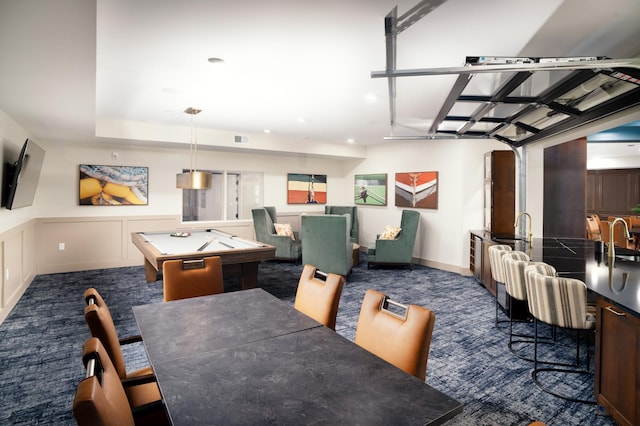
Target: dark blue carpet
pixel 41 340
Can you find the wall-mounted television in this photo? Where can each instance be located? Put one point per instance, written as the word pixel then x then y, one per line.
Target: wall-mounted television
pixel 21 178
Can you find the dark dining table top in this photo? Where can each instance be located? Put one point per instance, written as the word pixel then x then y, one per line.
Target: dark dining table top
pixel 202 324
pixel 277 367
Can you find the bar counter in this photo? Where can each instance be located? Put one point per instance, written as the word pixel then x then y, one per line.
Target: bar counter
pixel 614 285
pixel 616 279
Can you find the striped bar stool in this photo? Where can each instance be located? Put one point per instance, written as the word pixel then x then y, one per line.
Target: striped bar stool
pixel 560 302
pixel 515 264
pixel 497 268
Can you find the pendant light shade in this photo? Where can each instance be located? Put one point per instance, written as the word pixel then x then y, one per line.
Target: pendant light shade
pixel 193 179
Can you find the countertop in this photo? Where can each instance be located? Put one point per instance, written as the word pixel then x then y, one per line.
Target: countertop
pixel 616 279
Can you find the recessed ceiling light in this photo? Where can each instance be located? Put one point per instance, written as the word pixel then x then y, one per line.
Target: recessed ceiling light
pixel 171 90
pixel 267 131
pixel 351 140
pixel 301 120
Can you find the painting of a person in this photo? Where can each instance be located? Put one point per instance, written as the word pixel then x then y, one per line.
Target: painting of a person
pixel 363 194
pixel 311 194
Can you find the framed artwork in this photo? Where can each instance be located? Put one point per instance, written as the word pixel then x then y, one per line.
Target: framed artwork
pixel 113 185
pixel 306 189
pixel 370 189
pixel 417 189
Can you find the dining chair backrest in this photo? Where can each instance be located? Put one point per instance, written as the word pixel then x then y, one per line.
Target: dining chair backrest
pixel 142 390
pixel 594 231
pixel 399 334
pixel 100 323
pixel 183 279
pixel 100 398
pixel 318 295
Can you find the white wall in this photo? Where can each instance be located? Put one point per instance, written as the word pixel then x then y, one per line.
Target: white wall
pixel 443 239
pixel 57 194
pixel 17 228
pixel 627 162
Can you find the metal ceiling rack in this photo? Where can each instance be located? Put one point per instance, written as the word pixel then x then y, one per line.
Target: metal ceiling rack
pixel 536 98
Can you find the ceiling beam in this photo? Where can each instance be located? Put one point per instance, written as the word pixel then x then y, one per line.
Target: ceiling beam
pixel 493 68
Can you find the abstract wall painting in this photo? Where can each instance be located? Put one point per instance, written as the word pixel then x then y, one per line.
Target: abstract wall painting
pixel 417 189
pixel 370 189
pixel 306 188
pixel 113 185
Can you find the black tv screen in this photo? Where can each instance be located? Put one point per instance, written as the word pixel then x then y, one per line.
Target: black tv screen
pixel 21 177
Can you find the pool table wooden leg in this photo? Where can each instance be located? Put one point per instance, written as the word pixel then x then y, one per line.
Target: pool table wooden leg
pixel 249 275
pixel 150 271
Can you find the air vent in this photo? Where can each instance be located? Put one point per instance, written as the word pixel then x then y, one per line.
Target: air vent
pixel 241 139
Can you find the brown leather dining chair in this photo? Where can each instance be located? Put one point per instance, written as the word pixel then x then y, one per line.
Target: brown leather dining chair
pixel 318 295
pixel 100 398
pixel 399 334
pixel 594 230
pixel 183 279
pixel 101 326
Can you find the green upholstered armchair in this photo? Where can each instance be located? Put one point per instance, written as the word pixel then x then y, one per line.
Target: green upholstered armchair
pixel 286 248
pixel 352 211
pixel 326 243
pixel 398 251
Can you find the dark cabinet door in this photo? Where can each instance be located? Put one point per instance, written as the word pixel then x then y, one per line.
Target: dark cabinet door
pixel 613 192
pixel 499 193
pixel 617 375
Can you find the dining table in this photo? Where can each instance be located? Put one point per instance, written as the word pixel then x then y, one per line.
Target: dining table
pixel 247 357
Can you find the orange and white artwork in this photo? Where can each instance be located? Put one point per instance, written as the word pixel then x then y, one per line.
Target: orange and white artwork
pixel 417 189
pixel 306 189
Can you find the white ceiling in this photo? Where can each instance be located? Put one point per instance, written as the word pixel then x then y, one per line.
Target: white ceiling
pixel 298 68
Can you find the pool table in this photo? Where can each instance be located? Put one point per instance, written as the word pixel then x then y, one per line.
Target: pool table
pixel 239 256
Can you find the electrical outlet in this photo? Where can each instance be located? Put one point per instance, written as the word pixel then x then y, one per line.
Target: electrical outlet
pixel 60 246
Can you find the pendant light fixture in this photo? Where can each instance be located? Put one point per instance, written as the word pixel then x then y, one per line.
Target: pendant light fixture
pixel 193 179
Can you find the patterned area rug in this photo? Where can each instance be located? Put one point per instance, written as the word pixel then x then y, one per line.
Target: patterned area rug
pixel 41 341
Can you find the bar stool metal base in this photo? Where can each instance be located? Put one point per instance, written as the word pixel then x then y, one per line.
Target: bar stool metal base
pixel 577 370
pixel 529 340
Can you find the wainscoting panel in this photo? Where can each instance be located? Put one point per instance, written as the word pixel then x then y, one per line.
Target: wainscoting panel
pixel 84 243
pixel 17 258
pixel 76 244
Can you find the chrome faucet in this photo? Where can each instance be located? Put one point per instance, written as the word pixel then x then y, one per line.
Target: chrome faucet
pixel 529 233
pixel 612 225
